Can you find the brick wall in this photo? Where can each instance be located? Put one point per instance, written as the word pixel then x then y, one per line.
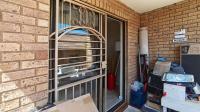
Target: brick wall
pixel 163 22
pixel 23 54
pixel 24 30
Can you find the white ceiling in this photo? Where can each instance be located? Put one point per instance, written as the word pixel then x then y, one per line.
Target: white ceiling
pixel 142 6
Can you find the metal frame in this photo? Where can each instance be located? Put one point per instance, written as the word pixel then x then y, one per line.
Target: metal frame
pixel 59 36
pixel 60 33
pixel 82 3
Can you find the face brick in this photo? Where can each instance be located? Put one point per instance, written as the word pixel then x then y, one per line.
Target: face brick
pixel 166 21
pixel 11 76
pixel 18 37
pixel 17 56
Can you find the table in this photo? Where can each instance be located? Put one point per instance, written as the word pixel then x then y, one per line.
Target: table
pixel 179 105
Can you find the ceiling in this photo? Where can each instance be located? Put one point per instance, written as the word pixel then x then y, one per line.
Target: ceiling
pixel 142 6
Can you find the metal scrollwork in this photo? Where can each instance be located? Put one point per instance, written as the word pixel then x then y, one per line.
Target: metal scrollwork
pixel 83 17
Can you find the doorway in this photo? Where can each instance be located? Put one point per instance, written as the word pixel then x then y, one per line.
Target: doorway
pixel 79 63
pixel 115 59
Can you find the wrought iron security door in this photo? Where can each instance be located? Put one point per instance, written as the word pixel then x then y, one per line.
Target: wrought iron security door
pixel 77 55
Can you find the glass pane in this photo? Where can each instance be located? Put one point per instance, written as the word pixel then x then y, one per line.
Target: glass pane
pixel 79 16
pixel 114 63
pixel 75 15
pixel 79 58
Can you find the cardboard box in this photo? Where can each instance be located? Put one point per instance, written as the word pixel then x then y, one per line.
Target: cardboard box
pixel 81 104
pixel 175 92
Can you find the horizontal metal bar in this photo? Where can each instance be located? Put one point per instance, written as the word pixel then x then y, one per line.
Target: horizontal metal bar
pixel 79 69
pixel 66 58
pixel 78 49
pixel 68 34
pixel 78 65
pixel 69 75
pixel 79 82
pixel 52 69
pixel 72 64
pixel 51 90
pixel 68 41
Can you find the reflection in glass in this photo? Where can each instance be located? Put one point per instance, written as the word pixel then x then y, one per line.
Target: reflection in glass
pixel 79 16
pixel 79 58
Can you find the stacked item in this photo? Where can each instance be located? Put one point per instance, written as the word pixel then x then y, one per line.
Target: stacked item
pixel 192 91
pixel 155 84
pixel 137 95
pixel 180 93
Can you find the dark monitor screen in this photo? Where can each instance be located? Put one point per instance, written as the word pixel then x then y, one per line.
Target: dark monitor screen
pixel 191 65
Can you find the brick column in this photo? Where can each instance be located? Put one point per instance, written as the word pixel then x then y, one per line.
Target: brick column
pixel 24 30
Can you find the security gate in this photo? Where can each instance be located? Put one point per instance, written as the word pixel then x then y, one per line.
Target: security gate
pixel 77 60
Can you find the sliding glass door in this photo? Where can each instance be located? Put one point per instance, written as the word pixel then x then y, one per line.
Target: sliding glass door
pixel 115 59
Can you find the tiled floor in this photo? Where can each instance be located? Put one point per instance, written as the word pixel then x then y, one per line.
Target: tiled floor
pixel 112 99
pixel 132 109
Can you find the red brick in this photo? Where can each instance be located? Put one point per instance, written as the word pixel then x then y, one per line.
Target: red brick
pixel 44 7
pixel 9 47
pixel 8 66
pixel 33 98
pixel 9 86
pixel 42 71
pixel 11 76
pixel 5 106
pixel 34 47
pixel 18 37
pixel 43 23
pixel 44 1
pixel 41 55
pixel 27 3
pixel 17 56
pixel 10 27
pixel 15 18
pixel 34 80
pixel 41 38
pixel 6 96
pixel 34 64
pixel 8 7
pixel 26 108
pixel 42 87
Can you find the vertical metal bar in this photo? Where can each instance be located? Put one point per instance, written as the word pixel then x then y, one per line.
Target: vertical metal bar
pixel 56 51
pixel 80 89
pixel 126 59
pixel 62 14
pixel 101 87
pixel 100 96
pixel 91 87
pixel 86 88
pixel 106 38
pixel 66 93
pixel 121 61
pixel 96 93
pixel 73 92
pixel 70 13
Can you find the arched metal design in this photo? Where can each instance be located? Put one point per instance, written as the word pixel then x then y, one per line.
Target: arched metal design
pixel 80 63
